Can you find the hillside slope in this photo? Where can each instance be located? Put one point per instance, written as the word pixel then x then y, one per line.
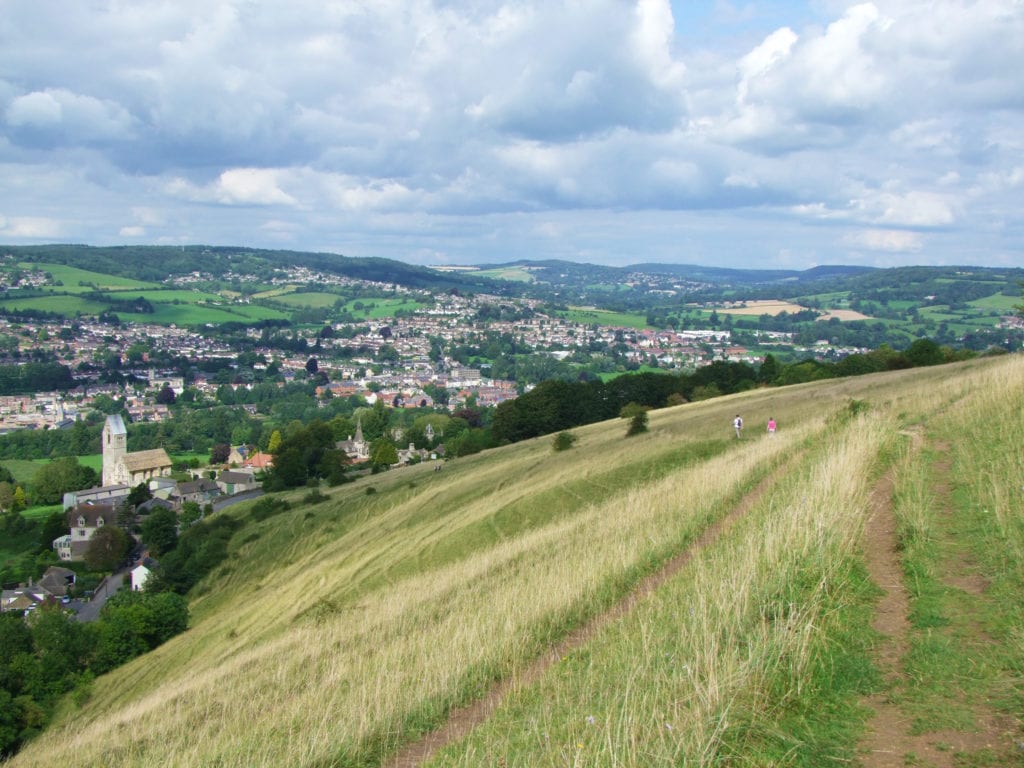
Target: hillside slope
pixel 341 632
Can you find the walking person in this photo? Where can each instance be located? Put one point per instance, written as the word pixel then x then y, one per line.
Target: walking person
pixel 771 426
pixel 737 424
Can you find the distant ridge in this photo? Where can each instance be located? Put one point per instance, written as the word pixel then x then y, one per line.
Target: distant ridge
pixel 750 276
pixel 156 262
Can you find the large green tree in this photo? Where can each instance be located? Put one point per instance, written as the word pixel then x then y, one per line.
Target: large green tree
pixel 108 546
pixel 160 531
pixel 383 453
pixel 60 476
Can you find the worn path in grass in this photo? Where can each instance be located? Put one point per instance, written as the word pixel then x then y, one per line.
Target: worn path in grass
pixel 463 720
pixel 891 740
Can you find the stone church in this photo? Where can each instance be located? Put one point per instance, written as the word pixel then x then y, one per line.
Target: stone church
pixel 123 468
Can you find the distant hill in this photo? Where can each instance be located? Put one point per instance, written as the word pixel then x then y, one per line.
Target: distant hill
pixel 722 275
pixel 155 263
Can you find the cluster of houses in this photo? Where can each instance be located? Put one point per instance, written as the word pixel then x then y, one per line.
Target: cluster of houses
pixel 51 588
pixel 89 510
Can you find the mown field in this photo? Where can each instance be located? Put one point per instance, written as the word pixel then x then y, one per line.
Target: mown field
pixel 75 280
pixel 605 317
pixel 515 274
pixel 341 632
pixel 202 314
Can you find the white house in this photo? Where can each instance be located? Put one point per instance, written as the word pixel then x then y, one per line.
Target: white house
pixel 140 575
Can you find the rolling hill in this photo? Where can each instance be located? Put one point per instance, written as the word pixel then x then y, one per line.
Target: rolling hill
pixel 677 597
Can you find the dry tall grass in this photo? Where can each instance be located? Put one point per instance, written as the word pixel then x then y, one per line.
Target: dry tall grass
pixel 661 686
pixel 344 630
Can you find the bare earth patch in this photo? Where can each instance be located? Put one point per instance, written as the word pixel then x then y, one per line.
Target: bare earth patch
pixel 889 742
pixel 764 307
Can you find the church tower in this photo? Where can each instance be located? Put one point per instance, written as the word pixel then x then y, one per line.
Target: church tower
pixel 115 447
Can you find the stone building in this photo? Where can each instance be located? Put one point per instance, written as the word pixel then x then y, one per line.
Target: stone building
pixel 123 468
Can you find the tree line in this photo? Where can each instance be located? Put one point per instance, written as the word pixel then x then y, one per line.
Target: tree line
pixel 553 406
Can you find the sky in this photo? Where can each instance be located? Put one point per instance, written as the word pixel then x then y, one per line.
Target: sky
pixel 764 134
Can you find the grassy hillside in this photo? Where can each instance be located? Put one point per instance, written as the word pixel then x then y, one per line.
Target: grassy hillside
pixel 341 632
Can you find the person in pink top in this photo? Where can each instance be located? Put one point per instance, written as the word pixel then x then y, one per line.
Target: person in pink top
pixel 771 426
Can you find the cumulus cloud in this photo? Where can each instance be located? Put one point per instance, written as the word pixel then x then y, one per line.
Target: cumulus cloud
pixel 56 115
pixel 888 240
pixel 369 125
pixel 237 186
pixel 30 227
pixel 912 209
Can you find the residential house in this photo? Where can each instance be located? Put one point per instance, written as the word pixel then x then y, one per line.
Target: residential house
pixel 232 481
pixel 259 461
pixel 412 454
pixel 152 505
pixel 141 572
pixel 83 521
pixel 107 494
pixel 57 580
pixel 200 491
pixel 22 599
pixel 238 455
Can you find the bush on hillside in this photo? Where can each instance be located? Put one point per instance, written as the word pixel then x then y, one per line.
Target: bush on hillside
pixel 563 441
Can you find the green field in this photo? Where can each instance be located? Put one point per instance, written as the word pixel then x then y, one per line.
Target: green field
pixel 72 276
pixel 201 314
pixel 189 311
pixel 605 318
pixel 168 295
pixel 378 309
pixel 312 300
pixel 606 377
pixel 69 306
pixel 515 274
pixel 271 293
pixel 1003 305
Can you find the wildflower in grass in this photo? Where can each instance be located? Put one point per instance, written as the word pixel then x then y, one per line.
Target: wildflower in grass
pixel 591 719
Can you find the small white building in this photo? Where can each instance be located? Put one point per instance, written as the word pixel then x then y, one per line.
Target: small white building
pixel 140 575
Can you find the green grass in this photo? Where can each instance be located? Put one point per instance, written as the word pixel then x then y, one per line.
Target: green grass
pixel 377 309
pixel 168 295
pixel 25 469
pixel 515 274
pixel 606 318
pixel 999 303
pixel 72 276
pixel 642 369
pixel 69 306
pixel 312 300
pixel 197 314
pixel 961 546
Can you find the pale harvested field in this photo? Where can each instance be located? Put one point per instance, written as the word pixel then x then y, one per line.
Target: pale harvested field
pixel 769 307
pixel 763 308
pixel 844 314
